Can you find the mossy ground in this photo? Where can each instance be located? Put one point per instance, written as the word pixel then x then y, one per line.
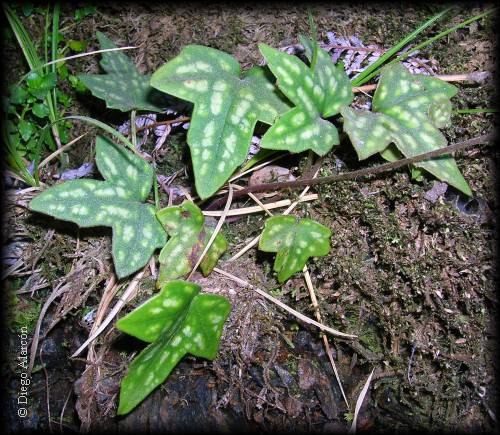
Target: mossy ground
pixel 413 279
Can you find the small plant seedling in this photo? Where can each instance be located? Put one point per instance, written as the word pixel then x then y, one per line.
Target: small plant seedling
pixel 116 202
pixel 122 87
pixel 295 240
pixel 226 109
pixel 188 237
pixel 408 110
pixel 317 91
pixel 177 321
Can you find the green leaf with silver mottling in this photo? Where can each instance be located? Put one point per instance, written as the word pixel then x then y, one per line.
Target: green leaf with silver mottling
pixel 295 240
pixel 316 93
pixel 408 111
pixel 226 109
pixel 177 321
pixel 116 202
pixel 122 87
pixel 189 236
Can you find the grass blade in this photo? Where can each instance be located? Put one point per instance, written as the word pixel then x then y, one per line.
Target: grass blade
pixel 433 39
pixel 106 128
pixel 14 159
pixel 443 34
pixel 25 42
pixel 373 68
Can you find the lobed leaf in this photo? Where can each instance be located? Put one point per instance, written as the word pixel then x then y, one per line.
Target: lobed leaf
pixel 122 87
pixel 316 92
pixel 295 240
pixel 189 236
pixel 177 321
pixel 408 110
pixel 226 109
pixel 116 202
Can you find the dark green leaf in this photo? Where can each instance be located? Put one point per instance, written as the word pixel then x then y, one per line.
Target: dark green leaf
pixel 189 236
pixel 26 129
pixel 316 93
pixel 226 109
pixel 408 110
pixel 122 88
pixel 40 84
pixel 177 321
pixel 295 240
pixel 17 94
pixel 41 110
pixel 116 202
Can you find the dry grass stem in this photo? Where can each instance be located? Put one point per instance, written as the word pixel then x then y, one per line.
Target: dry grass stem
pixel 60 150
pixel 259 208
pixel 314 301
pixel 359 402
pixel 127 295
pixel 216 231
pixel 283 305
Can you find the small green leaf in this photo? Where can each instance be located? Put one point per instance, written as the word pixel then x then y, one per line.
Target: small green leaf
pixel 185 225
pixel 84 12
pixel 122 88
pixel 77 46
pixel 41 110
pixel 177 321
pixel 40 84
pixel 17 94
pixel 295 240
pixel 408 110
pixel 26 129
pixel 316 93
pixel 116 202
pixel 63 98
pixel 77 84
pixel 226 109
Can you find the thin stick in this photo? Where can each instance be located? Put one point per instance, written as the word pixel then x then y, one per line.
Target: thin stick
pixel 64 409
pixel 90 53
pixel 362 172
pixel 259 208
pixel 36 335
pixel 116 309
pixel 47 389
pixel 284 306
pixel 216 231
pixel 167 122
pixel 314 300
pixel 59 151
pixel 467 77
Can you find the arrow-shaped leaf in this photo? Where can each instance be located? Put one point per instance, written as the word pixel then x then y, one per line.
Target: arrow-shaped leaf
pixel 226 109
pixel 122 87
pixel 177 321
pixel 116 203
pixel 295 240
pixel 408 110
pixel 316 93
pixel 185 225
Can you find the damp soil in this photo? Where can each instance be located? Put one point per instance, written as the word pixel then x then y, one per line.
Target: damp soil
pixel 411 268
